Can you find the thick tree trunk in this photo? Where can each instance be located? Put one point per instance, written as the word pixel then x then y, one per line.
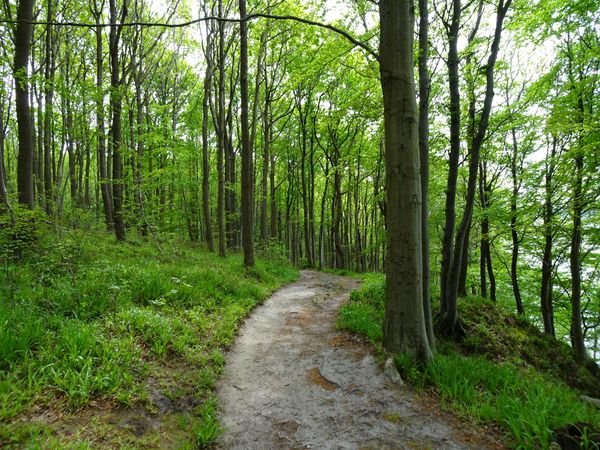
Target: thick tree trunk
pixel 23 33
pixel 404 323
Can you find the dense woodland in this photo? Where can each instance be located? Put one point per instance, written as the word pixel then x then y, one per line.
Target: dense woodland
pixel 267 135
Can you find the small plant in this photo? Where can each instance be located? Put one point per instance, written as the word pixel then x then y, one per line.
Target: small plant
pixel 206 428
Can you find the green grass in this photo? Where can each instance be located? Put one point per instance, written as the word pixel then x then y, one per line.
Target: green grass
pixel 84 319
pixel 364 313
pixel 505 372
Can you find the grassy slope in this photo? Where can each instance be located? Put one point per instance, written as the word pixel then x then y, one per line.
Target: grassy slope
pixel 505 372
pixel 92 332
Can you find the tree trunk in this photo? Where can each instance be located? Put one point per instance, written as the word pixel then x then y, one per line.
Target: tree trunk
pixel 48 102
pixel 23 34
pixel 450 316
pixel 514 260
pixel 102 168
pixel 264 232
pixel 404 323
pixel 205 159
pixel 4 203
pixel 448 311
pixel 221 136
pixel 547 263
pixel 424 89
pixel 116 134
pixel 273 228
pixel 577 339
pixel 247 166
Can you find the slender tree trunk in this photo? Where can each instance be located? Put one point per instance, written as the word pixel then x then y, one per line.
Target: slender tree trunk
pixel 116 134
pixel 424 89
pixel 322 260
pixel 247 166
pixel 547 263
pixel 449 318
pixel 404 323
pixel 23 34
pixel 48 102
pixel 448 311
pixel 221 136
pixel 4 203
pixel 577 338
pixel 464 266
pixel 205 159
pixel 69 133
pixel 303 116
pixel 514 260
pixel 264 232
pixel 102 168
pixel 273 228
pixel 340 260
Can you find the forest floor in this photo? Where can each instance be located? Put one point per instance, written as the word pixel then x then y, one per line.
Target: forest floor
pixel 292 380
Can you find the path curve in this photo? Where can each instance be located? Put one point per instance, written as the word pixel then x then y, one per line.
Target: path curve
pixel 293 381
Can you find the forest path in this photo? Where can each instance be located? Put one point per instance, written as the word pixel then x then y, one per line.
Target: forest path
pixel 293 381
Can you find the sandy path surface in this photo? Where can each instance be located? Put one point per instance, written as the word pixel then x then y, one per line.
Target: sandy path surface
pixel 293 381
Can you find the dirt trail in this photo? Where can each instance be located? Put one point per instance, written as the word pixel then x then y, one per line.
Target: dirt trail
pixel 293 381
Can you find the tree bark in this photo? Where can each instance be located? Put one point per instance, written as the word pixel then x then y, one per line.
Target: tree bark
pixel 102 168
pixel 448 311
pixel 247 166
pixel 404 323
pixel 449 318
pixel 23 34
pixel 210 242
pixel 577 339
pixel 514 260
pixel 424 89
pixel 547 263
pixel 221 136
pixel 116 107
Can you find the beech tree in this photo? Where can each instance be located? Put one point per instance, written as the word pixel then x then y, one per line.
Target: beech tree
pixel 404 324
pixel 23 34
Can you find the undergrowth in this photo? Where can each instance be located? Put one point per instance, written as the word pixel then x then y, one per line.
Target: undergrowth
pixel 504 372
pixel 85 320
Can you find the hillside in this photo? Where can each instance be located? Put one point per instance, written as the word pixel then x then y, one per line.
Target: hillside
pixel 504 373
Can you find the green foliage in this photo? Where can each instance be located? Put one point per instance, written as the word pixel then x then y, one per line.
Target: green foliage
pixel 505 371
pixel 206 429
pixel 363 314
pixel 89 319
pixel 529 406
